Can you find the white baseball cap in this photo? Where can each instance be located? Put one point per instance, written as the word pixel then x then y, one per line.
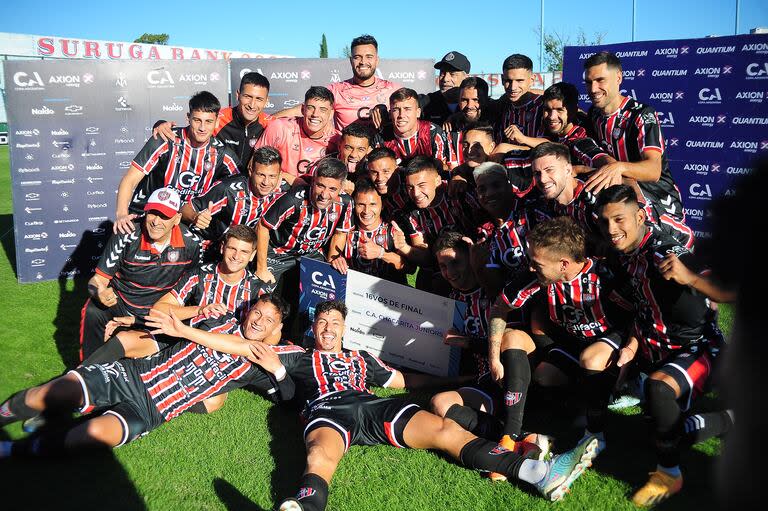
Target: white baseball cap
pixel 164 200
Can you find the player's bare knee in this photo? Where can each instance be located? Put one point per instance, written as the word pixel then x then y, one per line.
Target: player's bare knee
pixel 547 375
pixel 593 362
pixel 517 340
pixel 215 403
pixel 440 403
pixel 659 377
pixel 104 432
pixel 320 459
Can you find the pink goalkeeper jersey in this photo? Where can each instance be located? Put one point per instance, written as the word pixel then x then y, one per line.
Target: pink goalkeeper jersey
pixel 354 102
pixel 296 148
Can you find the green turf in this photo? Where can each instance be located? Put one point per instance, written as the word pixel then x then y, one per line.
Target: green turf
pixel 250 454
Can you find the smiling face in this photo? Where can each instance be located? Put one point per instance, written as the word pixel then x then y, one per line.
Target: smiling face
pixel 450 78
pixel 328 329
pixel 555 117
pixel 264 179
pixel 364 61
pixel 236 254
pixel 380 171
pixel 623 225
pixel 325 191
pixel 263 321
pixel 603 86
pixel 422 187
pixel 201 125
pixel 455 268
pixel 159 226
pixel 552 175
pixel 469 103
pixel 251 101
pixel 405 117
pixel 516 83
pixel 316 114
pixel 495 194
pixel 477 145
pixel 352 150
pixel 368 210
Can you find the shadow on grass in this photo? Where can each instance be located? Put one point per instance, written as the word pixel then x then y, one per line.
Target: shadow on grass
pixel 7 240
pixel 73 292
pixel 287 449
pixel 92 481
pixel 231 497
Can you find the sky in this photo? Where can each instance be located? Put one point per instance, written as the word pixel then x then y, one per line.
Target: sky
pixel 486 32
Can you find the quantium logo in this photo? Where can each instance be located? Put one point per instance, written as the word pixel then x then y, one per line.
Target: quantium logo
pixel 750 120
pixel 715 49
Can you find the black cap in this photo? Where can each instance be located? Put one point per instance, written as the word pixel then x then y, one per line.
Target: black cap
pixel 456 60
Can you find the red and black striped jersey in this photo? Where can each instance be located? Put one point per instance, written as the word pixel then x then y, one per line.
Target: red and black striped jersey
pixel 669 316
pixel 319 374
pixel 627 133
pixel 445 212
pixel 234 204
pixel 189 170
pixel 204 286
pixel 455 140
pixel 187 373
pixel 139 274
pixel 519 171
pixel 579 143
pixel 298 228
pixel 581 208
pixel 382 236
pixel 476 320
pixel 527 115
pixel 429 140
pixel 240 137
pixel 396 200
pixel 506 245
pixel 582 306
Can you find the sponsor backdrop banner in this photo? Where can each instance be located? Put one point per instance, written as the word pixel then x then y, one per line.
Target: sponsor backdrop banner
pixel 74 128
pixel 289 79
pixel 402 325
pixel 712 98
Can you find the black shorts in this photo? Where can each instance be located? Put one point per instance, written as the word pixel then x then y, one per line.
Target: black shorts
pixel 691 370
pixel 362 419
pixel 491 392
pixel 565 352
pixel 118 387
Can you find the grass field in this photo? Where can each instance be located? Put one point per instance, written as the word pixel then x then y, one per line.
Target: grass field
pixel 250 454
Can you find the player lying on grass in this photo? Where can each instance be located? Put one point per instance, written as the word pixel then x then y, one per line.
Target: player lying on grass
pixel 135 396
pixel 341 411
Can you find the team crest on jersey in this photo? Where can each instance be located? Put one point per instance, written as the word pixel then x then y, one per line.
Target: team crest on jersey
pixel 616 133
pixel 173 256
pixel 207 165
pixel 380 239
pixel 332 216
pixel 252 142
pixel 512 398
pixel 588 298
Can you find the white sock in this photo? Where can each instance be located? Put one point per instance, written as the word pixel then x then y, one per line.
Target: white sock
pixel 532 471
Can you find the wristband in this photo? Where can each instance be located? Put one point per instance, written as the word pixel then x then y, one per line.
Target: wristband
pixel 280 373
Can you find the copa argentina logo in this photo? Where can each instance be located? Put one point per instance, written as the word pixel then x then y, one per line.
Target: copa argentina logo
pixel 160 79
pixel 698 191
pixel 28 81
pixel 757 71
pixel 324 285
pixel 710 96
pixel 666 119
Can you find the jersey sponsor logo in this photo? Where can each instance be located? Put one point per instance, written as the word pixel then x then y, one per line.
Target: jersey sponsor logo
pixel 757 71
pixel 188 179
pixel 26 81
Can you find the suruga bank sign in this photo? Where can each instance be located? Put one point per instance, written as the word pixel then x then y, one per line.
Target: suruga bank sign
pixel 27 45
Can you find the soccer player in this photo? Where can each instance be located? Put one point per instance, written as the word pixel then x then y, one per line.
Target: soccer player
pixel 238 200
pixel 238 127
pixel 630 134
pixel 676 339
pixel 356 143
pixel 136 396
pixel 558 192
pixel 520 109
pixel 364 97
pixel 137 268
pixel 213 297
pixel 584 320
pixel 304 139
pixel 473 97
pixel 341 411
pixel 432 210
pixel 408 136
pixel 302 223
pixel 437 106
pixel 190 163
pixel 369 246
pixel 387 178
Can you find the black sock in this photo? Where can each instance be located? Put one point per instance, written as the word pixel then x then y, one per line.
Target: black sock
pixel 198 407
pixel 598 386
pixel 517 377
pixel 14 409
pixel 477 422
pixel 49 443
pixel 313 492
pixel 663 409
pixel 481 454
pixel 704 426
pixel 110 351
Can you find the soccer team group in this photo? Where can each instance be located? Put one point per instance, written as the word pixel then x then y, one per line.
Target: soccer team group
pixel 562 231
